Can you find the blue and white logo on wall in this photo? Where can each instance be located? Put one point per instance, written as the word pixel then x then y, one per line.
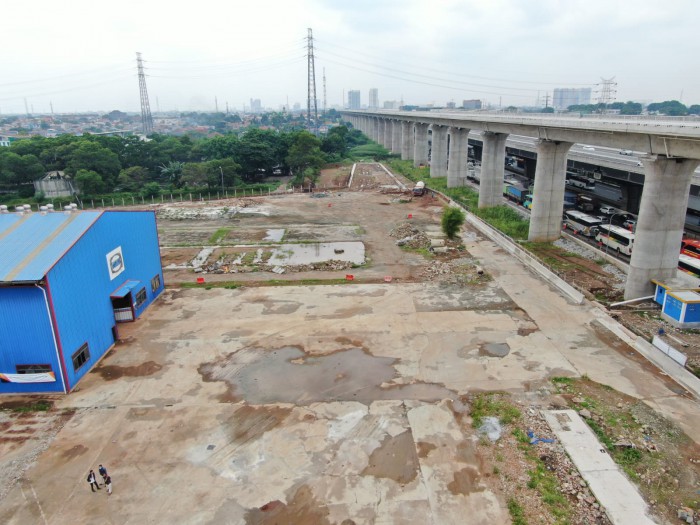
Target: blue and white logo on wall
pixel 115 262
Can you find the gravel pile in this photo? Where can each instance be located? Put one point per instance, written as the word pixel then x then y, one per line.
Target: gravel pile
pixel 572 247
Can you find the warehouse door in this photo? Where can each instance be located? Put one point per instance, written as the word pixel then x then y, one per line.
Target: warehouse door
pixel 123 308
pixel 123 302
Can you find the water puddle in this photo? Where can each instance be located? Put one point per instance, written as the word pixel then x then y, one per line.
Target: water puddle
pixel 289 375
pixel 293 254
pixel 274 235
pixel 494 350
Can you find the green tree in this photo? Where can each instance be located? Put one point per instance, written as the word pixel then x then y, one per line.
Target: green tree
pixel 90 156
pixel 172 172
pixel 452 220
pixel 668 107
pixel 89 182
pixel 305 153
pixel 195 174
pixel 151 189
pixel 694 109
pixel 133 178
pixel 631 108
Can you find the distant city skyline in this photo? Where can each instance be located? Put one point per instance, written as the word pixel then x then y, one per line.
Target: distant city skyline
pixel 76 58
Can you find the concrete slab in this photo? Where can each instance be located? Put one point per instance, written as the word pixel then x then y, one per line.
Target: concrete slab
pixel 620 498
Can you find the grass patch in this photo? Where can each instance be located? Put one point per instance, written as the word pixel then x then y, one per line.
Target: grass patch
pixel 229 285
pixel 495 405
pixel 39 406
pixel 517 514
pixel 562 380
pixel 219 235
pixel 425 252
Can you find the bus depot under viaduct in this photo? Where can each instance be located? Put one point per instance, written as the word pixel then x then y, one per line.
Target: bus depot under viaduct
pixel 672 154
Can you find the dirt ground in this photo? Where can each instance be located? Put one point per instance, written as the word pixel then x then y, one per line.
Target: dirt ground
pixel 343 404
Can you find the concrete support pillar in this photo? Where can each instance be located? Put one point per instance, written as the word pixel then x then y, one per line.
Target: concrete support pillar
pixel 659 230
pixel 457 165
pixel 388 128
pixel 375 129
pixel 406 140
pixel 493 156
pixel 420 146
pixel 396 137
pixel 548 198
pixel 438 155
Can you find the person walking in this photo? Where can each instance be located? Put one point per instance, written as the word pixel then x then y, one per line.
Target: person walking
pixel 103 472
pixel 92 480
pixel 108 484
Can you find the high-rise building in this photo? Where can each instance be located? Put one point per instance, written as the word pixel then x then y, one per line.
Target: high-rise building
pixel 354 99
pixel 565 97
pixel 474 103
pixel 391 104
pixel 255 105
pixel 373 98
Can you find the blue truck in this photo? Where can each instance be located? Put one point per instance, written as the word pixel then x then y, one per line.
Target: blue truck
pixel 518 193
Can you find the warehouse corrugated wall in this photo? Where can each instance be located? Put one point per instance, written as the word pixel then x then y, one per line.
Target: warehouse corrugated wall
pixel 26 337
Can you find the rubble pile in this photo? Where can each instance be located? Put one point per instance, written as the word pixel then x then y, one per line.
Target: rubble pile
pixel 259 264
pixel 195 210
pixel 456 271
pixel 410 236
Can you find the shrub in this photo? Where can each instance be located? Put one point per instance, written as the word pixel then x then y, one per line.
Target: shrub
pixel 452 220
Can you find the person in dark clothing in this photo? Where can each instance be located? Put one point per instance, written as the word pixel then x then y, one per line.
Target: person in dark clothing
pixel 92 480
pixel 103 472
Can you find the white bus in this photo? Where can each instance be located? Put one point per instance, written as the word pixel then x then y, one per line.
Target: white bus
pixel 616 238
pixel 689 264
pixel 581 223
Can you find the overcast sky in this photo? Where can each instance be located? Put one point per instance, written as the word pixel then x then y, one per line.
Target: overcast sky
pixel 81 55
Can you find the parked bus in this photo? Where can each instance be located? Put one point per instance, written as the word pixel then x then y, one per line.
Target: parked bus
pixel 691 247
pixel 616 238
pixel 689 264
pixel 581 223
pixel 578 181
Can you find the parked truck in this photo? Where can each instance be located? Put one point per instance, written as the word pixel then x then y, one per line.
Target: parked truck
pixel 517 193
pixel 419 188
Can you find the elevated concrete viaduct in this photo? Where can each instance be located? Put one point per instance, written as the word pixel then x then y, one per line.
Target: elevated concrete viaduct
pixel 672 149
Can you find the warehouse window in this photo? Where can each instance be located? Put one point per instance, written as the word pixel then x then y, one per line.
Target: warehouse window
pixel 32 369
pixel 140 297
pixel 81 357
pixel 155 283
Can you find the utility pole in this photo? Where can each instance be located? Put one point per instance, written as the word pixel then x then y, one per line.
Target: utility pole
pixel 311 91
pixel 26 106
pixel 146 117
pixel 546 100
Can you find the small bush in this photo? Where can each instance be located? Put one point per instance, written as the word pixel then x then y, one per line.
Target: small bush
pixel 452 220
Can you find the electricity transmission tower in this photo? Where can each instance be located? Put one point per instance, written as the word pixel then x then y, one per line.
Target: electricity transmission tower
pixel 312 124
pixel 146 117
pixel 324 90
pixel 607 92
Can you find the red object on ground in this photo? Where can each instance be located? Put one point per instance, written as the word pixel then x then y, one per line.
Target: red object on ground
pixel 200 280
pixel 387 278
pixel 410 216
pixel 349 277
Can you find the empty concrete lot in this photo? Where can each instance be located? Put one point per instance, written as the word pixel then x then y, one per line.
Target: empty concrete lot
pixel 324 404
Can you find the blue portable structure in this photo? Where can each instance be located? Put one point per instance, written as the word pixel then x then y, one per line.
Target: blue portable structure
pixel 680 305
pixel 66 280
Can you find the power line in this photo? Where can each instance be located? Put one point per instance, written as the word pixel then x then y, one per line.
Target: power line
pixel 452 72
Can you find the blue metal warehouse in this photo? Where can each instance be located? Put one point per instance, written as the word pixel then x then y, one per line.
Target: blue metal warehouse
pixel 66 280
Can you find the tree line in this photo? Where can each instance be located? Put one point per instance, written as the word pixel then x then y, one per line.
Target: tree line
pixel 100 164
pixel 672 108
